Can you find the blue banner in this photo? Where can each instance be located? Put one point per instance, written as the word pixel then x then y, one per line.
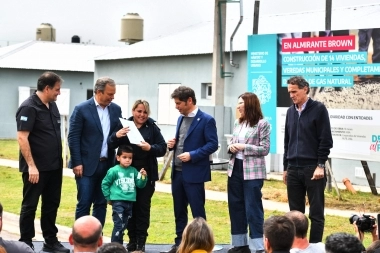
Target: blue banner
pixel 332 69
pixel 352 57
pixel 325 81
pixel 262 77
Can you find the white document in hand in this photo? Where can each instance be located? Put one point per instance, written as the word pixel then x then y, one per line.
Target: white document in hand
pixel 134 135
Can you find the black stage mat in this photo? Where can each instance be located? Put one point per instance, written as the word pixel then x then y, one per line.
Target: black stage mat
pixel 149 248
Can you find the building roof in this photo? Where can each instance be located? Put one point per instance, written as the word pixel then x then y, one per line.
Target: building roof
pixel 52 56
pixel 198 39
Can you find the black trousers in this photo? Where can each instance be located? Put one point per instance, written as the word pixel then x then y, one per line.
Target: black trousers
pixel 299 184
pixel 139 223
pixel 185 194
pixel 49 188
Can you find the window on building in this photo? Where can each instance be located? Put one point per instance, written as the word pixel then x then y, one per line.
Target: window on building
pixel 167 114
pixel 24 92
pixel 90 94
pixel 206 91
pixel 121 98
pixel 63 100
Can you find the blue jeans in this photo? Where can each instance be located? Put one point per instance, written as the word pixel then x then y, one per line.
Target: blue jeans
pixel 121 212
pixel 299 184
pixel 245 207
pixel 90 193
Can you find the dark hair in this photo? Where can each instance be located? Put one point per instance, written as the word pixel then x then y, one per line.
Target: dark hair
pixel 48 79
pixel 252 109
pixel 300 82
pixel 125 149
pixel 112 247
pixel 279 231
pixel 1 210
pixel 183 93
pixel 301 223
pixel 101 83
pixel 90 240
pixel 343 243
pixel 197 235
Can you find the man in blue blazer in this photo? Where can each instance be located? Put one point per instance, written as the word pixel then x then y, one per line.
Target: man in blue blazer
pixel 195 140
pixel 90 125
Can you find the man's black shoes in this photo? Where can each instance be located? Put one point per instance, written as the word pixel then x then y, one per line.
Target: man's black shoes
pixel 56 247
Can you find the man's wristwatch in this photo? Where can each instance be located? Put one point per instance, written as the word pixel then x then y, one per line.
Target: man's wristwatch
pixel 321 165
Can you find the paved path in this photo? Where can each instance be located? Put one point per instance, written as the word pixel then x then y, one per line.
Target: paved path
pixel 10 221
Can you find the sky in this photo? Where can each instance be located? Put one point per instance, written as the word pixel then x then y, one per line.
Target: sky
pixel 98 21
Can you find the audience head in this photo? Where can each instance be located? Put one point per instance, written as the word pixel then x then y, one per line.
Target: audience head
pixel 279 233
pixel 300 221
pixel 2 250
pixel 197 235
pixel 112 247
pixel 343 243
pixel 86 234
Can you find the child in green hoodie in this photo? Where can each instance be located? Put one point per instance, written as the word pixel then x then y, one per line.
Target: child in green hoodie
pixel 119 189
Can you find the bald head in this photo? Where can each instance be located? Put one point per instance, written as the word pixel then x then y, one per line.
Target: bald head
pixel 301 223
pixel 86 233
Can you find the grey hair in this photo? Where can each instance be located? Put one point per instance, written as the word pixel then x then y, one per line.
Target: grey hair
pixel 101 83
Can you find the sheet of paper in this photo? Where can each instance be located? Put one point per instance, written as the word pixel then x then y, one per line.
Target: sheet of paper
pixel 134 135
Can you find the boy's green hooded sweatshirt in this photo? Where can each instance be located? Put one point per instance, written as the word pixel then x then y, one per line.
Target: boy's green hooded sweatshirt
pixel 120 183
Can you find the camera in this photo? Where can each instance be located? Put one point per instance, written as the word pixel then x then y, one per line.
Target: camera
pixel 364 223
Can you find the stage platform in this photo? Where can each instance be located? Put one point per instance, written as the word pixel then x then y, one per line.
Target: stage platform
pixel 149 248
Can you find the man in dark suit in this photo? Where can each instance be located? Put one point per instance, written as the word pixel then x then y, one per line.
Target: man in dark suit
pixel 90 125
pixel 195 140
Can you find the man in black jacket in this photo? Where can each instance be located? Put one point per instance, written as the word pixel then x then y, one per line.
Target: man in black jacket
pixel 307 144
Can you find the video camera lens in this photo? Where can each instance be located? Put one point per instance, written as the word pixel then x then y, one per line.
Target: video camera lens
pixel 353 218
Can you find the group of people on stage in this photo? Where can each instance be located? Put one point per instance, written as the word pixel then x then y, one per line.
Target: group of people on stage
pixel 95 132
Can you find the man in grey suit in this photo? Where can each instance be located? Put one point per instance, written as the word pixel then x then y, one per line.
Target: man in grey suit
pixel 90 125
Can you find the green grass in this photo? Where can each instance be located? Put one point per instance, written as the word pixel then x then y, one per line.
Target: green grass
pixel 162 217
pixel 9 149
